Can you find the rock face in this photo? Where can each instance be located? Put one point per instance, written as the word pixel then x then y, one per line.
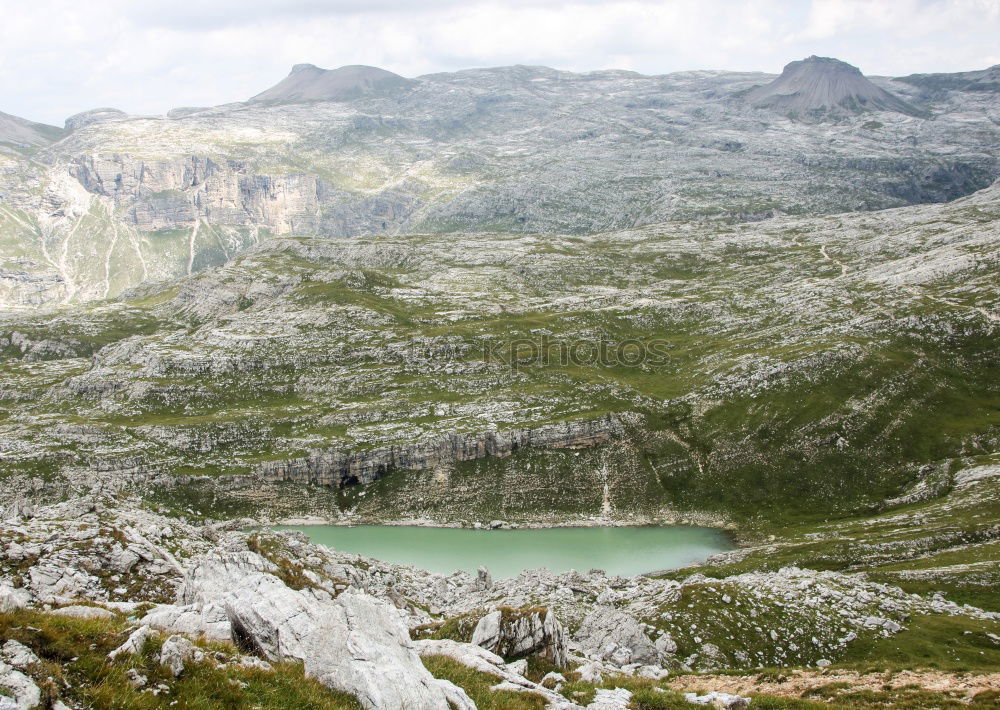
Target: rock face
pixel 307 82
pixel 168 194
pixel 337 468
pixel 514 633
pixel 823 85
pixel 612 635
pixel 360 646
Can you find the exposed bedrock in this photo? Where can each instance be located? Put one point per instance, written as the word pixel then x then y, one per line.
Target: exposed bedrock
pixel 331 467
pixel 176 193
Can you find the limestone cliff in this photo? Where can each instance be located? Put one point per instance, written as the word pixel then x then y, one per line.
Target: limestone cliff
pixel 332 467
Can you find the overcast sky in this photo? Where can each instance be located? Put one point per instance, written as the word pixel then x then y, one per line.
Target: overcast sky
pixel 58 57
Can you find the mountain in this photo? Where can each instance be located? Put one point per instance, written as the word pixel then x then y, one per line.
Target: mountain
pixel 822 86
pixel 125 199
pixel 307 82
pixel 22 133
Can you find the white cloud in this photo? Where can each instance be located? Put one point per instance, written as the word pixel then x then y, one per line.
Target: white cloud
pixel 58 57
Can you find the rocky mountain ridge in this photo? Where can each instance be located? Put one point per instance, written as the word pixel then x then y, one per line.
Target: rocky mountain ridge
pixel 123 200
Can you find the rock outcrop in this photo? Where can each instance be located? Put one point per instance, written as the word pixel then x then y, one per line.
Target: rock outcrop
pixel 176 652
pixel 264 615
pixel 340 469
pixel 516 633
pixel 359 645
pixel 612 635
pixel 133 644
pixel 24 692
pixel 94 115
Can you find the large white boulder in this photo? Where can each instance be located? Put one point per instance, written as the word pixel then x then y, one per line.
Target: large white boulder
pixel 262 613
pixel 360 645
pixel 271 619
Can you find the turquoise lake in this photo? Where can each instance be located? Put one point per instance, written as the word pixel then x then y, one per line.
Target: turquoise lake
pixel 617 550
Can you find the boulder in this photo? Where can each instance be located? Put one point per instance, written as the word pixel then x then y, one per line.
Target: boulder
pixel 614 636
pixel 528 631
pixel 666 645
pixel 270 619
pixel 360 646
pixel 611 699
pixel 263 615
pixel 175 654
pixel 133 644
pixel 718 700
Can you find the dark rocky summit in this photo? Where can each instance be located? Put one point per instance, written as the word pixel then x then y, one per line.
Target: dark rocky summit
pixel 307 82
pixel 823 85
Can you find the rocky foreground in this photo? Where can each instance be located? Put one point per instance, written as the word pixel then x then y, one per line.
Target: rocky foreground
pixel 194 597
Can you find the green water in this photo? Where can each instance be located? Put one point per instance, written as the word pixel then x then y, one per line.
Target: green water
pixel 621 551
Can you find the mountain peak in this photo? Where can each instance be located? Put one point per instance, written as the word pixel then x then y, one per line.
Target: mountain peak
pixel 307 82
pixel 822 85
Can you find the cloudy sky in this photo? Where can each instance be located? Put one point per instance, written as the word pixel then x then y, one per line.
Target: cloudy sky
pixel 58 57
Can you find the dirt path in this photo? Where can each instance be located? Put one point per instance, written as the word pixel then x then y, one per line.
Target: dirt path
pixel 797 682
pixel 842 265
